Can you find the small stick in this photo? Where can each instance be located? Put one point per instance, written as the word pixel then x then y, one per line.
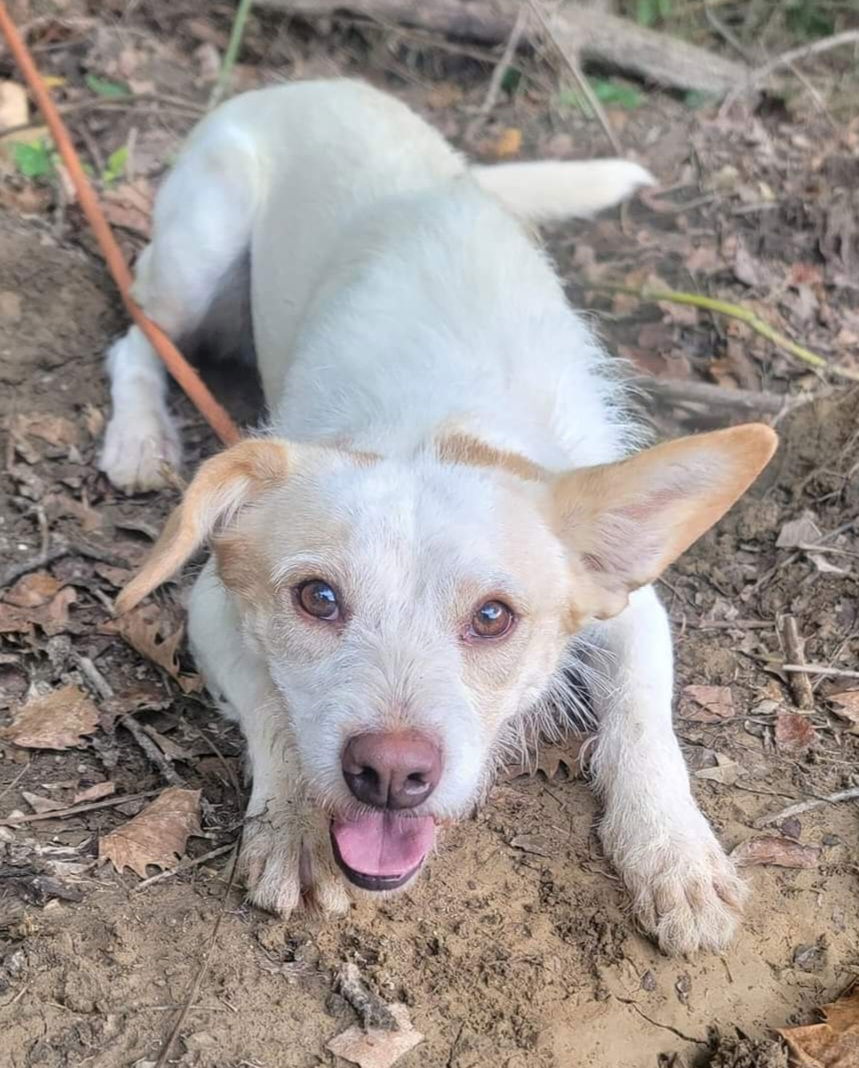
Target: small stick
pixel 369 1006
pixel 201 972
pixel 733 311
pixel 794 649
pixel 184 866
pixel 75 810
pixel 806 806
pixel 680 392
pixel 106 692
pixel 582 82
pixel 820 669
pixel 501 69
pixel 13 572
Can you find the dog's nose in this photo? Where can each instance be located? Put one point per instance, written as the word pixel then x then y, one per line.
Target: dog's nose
pixel 393 769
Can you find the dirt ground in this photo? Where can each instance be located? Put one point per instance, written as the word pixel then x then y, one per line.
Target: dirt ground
pixel 515 948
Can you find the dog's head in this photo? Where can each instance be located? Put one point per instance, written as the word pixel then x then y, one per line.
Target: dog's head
pixel 408 610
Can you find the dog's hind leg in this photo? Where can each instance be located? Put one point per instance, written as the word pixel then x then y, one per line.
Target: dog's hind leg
pixel 201 231
pixel 549 191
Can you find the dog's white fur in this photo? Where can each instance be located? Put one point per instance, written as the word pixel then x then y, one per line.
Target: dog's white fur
pixel 433 401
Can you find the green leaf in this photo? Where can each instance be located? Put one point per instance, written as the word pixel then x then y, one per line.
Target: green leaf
pixel 616 94
pixel 116 162
pixel 696 98
pixel 34 161
pixel 511 79
pixel 109 90
pixel 646 12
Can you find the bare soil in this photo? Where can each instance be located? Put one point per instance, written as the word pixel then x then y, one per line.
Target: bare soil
pixel 516 948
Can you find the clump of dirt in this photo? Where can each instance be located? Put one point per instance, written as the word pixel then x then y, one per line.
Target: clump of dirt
pixel 746 1053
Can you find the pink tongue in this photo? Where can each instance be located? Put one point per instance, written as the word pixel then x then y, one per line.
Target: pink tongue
pixel 384 843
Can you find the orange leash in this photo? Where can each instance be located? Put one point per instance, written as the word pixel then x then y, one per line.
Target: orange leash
pixel 214 414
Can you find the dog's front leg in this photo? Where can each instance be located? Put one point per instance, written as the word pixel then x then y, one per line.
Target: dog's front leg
pixel 286 854
pixel 684 888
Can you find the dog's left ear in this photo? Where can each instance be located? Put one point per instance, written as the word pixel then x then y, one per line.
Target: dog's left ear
pixel 627 521
pixel 220 488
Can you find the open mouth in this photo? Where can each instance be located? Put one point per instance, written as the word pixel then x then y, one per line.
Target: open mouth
pixel 381 850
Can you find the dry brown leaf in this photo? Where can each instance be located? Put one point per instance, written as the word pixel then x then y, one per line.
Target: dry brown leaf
pixel 507 144
pixel 55 429
pixel 33 590
pixel 149 633
pixel 56 721
pixel 375 1048
pixel 57 505
pixel 801 531
pixel 94 793
pixel 710 704
pixel 130 205
pixel 551 758
pixel 781 852
pixel 794 733
pixel 157 836
pixel 832 1044
pixel 726 771
pixel 41 804
pixel 52 617
pixel 847 707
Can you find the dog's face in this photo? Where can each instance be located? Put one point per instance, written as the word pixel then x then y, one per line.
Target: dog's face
pixel 408 610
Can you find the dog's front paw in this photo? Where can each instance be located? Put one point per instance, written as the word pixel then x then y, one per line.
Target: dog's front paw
pixel 685 891
pixel 136 448
pixel 286 862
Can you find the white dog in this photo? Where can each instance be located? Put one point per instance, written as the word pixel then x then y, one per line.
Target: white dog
pixel 440 518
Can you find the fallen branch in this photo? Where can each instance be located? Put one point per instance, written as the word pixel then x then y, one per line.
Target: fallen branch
pixel 678 391
pixel 732 311
pixel 820 669
pixel 591 34
pixel 806 806
pixel 794 649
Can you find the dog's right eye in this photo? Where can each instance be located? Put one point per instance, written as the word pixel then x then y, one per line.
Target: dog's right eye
pixel 319 600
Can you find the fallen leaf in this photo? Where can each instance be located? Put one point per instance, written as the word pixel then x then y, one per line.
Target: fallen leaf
pixel 130 205
pixel 550 759
pixel 847 707
pixel 833 1043
pixel 41 804
pixel 794 733
pixel 538 844
pixel 94 793
pixel 374 1048
pixel 796 532
pixel 167 746
pixel 57 721
pixel 33 590
pixel 781 852
pixel 52 617
pixel 157 836
pixel 507 144
pixel 714 704
pixel 726 772
pixel 55 429
pixel 148 632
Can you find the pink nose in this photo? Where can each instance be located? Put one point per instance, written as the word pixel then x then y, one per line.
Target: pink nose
pixel 393 769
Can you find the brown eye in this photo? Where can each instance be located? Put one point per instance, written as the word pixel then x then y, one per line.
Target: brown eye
pixel 492 620
pixel 318 600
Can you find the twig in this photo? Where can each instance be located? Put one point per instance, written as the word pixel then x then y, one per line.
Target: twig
pixel 794 649
pixel 727 33
pixel 733 311
pixel 369 1006
pixel 201 971
pixel 806 806
pixel 677 391
pixel 11 785
pixel 106 692
pixel 501 68
pixel 231 54
pixel 184 866
pixel 75 810
pixel 584 85
pixel 820 669
pixel 165 103
pixel 13 572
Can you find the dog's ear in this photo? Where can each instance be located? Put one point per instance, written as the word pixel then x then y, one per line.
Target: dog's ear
pixel 220 488
pixel 627 521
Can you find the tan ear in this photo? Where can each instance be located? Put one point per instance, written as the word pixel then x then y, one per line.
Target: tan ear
pixel 628 521
pixel 222 485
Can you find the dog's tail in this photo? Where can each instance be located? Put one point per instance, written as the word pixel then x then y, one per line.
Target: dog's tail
pixel 551 191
